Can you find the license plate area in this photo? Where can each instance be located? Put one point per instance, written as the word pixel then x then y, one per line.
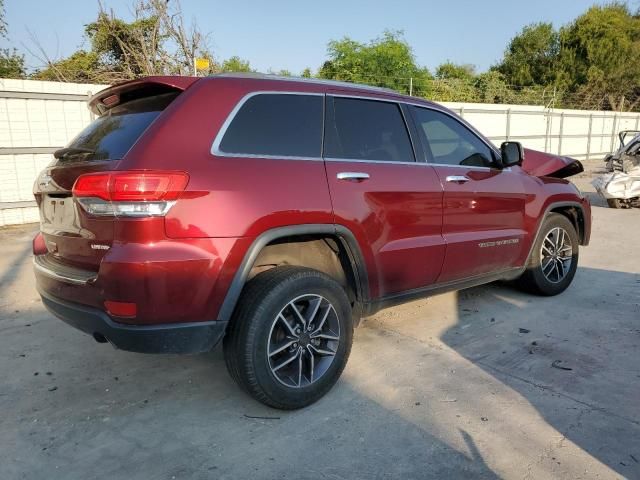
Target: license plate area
pixel 59 216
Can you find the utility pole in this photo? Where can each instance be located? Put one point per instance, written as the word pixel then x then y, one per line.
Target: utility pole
pixel 410 86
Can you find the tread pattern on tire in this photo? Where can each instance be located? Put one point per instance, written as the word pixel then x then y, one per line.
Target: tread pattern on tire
pixel 529 281
pixel 251 302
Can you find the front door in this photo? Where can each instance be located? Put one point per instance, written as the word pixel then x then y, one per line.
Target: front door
pixel 391 203
pixel 484 205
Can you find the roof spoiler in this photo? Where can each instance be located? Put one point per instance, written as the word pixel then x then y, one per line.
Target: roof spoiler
pixel 143 87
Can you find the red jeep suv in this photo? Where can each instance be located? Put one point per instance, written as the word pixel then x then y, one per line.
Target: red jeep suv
pixel 273 213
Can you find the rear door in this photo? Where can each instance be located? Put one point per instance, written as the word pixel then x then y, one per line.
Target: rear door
pixel 483 220
pixel 391 202
pixel 71 236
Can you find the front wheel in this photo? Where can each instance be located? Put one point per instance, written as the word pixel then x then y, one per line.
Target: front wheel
pixel 554 258
pixel 290 337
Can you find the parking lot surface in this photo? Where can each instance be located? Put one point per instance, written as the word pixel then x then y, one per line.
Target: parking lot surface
pixel 486 383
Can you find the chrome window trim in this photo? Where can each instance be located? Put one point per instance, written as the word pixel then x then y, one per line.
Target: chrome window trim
pixel 406 126
pixel 215 147
pixel 424 164
pixel 374 162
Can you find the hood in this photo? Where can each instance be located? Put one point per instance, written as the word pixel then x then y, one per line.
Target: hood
pixel 542 164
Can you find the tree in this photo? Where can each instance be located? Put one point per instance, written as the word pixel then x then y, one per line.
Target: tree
pixel 387 61
pixel 449 70
pixel 306 73
pixel 80 67
pixel 236 64
pixel 599 57
pixel 11 62
pixel 156 42
pixel 532 56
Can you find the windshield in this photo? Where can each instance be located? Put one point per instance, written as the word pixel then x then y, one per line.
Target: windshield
pixel 110 136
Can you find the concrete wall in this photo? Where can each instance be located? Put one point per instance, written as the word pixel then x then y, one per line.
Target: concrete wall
pixel 37 117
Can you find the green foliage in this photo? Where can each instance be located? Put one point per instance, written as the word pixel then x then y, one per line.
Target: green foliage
pixel 114 42
pixel 600 52
pixel 11 64
pixel 450 70
pixel 590 63
pixel 80 67
pixel 532 56
pixel 235 64
pixel 306 73
pixel 387 61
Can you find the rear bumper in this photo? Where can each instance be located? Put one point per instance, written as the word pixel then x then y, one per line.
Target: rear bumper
pixel 194 337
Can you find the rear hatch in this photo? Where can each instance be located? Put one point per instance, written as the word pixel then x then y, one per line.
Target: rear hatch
pixel 72 236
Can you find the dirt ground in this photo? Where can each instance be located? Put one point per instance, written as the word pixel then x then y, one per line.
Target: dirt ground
pixel 460 385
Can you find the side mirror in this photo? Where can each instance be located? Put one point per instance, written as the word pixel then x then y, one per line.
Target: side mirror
pixel 512 154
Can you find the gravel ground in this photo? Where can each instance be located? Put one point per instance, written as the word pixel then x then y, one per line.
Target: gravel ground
pixel 456 386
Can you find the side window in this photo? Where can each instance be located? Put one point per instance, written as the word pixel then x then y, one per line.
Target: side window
pixel 287 125
pixel 367 130
pixel 449 141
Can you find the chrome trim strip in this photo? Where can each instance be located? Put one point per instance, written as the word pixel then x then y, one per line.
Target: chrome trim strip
pixel 374 162
pixel 352 176
pixel 215 147
pixel 457 179
pixel 57 276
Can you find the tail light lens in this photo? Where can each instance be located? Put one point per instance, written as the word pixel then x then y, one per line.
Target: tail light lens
pixel 129 193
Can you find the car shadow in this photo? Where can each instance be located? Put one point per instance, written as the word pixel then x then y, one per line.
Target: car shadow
pixel 577 367
pixel 93 409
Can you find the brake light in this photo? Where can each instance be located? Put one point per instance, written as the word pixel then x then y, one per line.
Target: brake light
pixel 129 193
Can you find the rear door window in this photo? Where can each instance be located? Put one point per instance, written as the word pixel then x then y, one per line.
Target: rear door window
pixel 276 124
pixel 111 135
pixel 367 130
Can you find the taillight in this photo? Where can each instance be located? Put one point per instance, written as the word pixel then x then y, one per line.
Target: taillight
pixel 129 193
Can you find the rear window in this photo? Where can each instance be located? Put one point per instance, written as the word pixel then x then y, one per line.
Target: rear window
pixel 110 136
pixel 284 125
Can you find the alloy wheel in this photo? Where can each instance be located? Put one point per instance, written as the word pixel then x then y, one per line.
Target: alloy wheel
pixel 303 340
pixel 556 254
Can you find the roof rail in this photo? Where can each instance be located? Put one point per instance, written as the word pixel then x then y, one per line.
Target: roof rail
pixel 318 81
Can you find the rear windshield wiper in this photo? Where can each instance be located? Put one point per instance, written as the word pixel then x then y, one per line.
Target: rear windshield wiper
pixel 63 152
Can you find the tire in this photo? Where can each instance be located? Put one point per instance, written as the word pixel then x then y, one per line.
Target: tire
pixel 265 321
pixel 614 203
pixel 550 282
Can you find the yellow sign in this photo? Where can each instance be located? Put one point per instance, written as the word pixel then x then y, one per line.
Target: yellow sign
pixel 202 63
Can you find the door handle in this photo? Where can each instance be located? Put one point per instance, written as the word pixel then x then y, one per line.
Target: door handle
pixel 457 179
pixel 353 176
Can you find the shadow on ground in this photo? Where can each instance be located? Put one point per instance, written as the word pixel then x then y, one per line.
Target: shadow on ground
pixel 576 362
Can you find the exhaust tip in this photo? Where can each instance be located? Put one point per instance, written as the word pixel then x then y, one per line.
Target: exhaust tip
pixel 98 337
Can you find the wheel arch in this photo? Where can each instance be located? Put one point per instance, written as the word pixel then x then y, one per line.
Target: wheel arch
pixel 353 266
pixel 573 211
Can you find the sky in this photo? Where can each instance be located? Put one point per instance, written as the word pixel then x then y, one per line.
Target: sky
pixel 293 35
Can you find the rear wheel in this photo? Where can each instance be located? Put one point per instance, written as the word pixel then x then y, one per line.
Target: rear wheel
pixel 554 258
pixel 290 337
